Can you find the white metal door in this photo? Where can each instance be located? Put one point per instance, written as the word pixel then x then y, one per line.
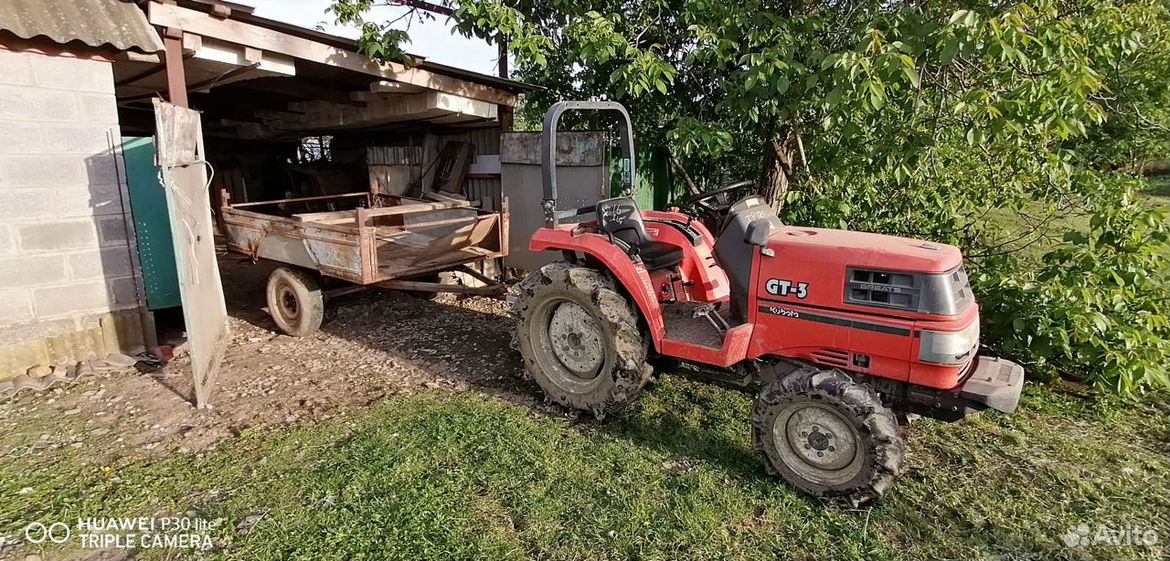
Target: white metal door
pixel 185 178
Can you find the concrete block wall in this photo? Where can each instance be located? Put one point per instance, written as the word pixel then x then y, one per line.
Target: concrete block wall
pixel 66 239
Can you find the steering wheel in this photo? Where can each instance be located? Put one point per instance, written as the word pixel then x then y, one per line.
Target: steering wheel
pixel 715 203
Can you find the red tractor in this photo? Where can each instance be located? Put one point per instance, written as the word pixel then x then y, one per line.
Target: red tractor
pixel 842 328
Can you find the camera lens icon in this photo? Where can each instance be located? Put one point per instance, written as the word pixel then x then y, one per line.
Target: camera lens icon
pixel 38 533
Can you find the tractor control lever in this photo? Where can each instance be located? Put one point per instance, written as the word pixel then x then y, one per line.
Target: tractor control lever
pixel 712 316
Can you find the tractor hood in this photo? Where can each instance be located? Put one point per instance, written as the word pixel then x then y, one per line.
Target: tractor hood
pixel 863 249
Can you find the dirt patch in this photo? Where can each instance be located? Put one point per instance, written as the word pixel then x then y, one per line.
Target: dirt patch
pixel 372 345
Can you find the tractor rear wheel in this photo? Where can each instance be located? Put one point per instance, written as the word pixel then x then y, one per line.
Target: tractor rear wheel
pixel 580 338
pixel 827 435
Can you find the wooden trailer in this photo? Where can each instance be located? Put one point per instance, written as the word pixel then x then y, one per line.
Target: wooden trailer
pixel 383 241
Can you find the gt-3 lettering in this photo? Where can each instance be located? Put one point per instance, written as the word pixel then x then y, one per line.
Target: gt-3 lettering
pixel 781 287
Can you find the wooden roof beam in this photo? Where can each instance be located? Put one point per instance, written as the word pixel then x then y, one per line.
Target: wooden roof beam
pixel 169 15
pixel 320 115
pixel 303 89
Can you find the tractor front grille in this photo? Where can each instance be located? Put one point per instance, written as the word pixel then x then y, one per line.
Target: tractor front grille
pixel 944 294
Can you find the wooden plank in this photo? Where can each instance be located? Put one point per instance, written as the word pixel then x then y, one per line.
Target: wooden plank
pixel 387 86
pixel 328 215
pixel 412 208
pixel 247 218
pixel 383 109
pixel 439 287
pixel 176 79
pixel 303 89
pixel 302 199
pixel 429 224
pixel 406 238
pixel 334 221
pixel 505 226
pixel 464 237
pixel 366 241
pixel 254 36
pixel 399 263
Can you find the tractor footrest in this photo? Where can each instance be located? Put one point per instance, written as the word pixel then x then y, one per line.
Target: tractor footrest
pixel 695 323
pixel 996 383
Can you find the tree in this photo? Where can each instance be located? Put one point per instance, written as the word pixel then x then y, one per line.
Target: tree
pixel 984 124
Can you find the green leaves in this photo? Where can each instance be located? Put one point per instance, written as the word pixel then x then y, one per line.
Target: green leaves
pixel 912 74
pixel 1097 308
pixel 965 18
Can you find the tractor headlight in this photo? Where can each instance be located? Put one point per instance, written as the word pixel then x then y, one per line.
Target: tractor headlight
pixel 949 347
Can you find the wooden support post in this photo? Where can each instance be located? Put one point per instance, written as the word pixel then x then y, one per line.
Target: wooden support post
pixel 506 116
pixel 505 112
pixel 176 75
pixel 502 45
pixel 505 228
pixel 367 245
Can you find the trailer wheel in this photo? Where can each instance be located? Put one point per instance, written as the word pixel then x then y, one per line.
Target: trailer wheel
pixel 580 339
pixel 295 301
pixel 827 435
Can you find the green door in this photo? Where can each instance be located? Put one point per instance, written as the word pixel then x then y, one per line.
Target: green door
pixel 652 187
pixel 148 203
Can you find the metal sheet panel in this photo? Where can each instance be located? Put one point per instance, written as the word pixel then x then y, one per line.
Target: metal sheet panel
pixel 180 154
pixel 582 180
pixel 479 188
pixel 96 23
pixel 485 189
pixel 574 148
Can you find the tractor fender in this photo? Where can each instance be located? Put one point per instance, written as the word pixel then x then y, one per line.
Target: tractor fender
pixel 631 276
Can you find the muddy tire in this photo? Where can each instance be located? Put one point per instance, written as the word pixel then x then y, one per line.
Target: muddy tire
pixel 579 338
pixel 827 435
pixel 295 301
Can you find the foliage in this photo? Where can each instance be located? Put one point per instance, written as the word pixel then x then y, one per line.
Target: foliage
pixel 1098 305
pixel 979 124
pixel 380 40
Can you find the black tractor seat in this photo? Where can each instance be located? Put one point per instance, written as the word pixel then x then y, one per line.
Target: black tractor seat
pixel 621 220
pixel 749 224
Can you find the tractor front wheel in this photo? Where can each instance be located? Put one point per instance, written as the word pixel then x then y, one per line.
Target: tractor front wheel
pixel 580 338
pixel 827 435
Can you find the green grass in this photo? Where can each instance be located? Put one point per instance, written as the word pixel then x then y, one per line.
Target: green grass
pixel 1159 190
pixel 442 476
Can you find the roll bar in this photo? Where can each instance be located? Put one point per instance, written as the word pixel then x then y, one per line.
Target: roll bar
pixel 548 150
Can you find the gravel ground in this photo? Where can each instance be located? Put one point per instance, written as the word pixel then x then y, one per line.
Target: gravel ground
pixel 372 345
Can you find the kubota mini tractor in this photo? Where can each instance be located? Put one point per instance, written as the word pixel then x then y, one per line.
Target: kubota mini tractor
pixel 842 328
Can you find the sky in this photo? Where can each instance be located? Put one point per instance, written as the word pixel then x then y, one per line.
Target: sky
pixel 431 39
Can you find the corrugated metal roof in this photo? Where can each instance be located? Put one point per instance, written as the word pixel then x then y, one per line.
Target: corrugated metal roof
pixel 96 23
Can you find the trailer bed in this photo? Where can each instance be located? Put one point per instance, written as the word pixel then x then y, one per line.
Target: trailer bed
pixel 388 238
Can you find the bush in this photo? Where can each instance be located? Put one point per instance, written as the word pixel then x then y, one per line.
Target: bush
pixel 1097 308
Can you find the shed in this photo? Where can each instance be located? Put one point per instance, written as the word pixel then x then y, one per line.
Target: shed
pixel 286 112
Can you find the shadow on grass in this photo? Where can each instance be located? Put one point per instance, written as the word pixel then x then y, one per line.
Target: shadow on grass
pixel 1159 185
pixel 472 347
